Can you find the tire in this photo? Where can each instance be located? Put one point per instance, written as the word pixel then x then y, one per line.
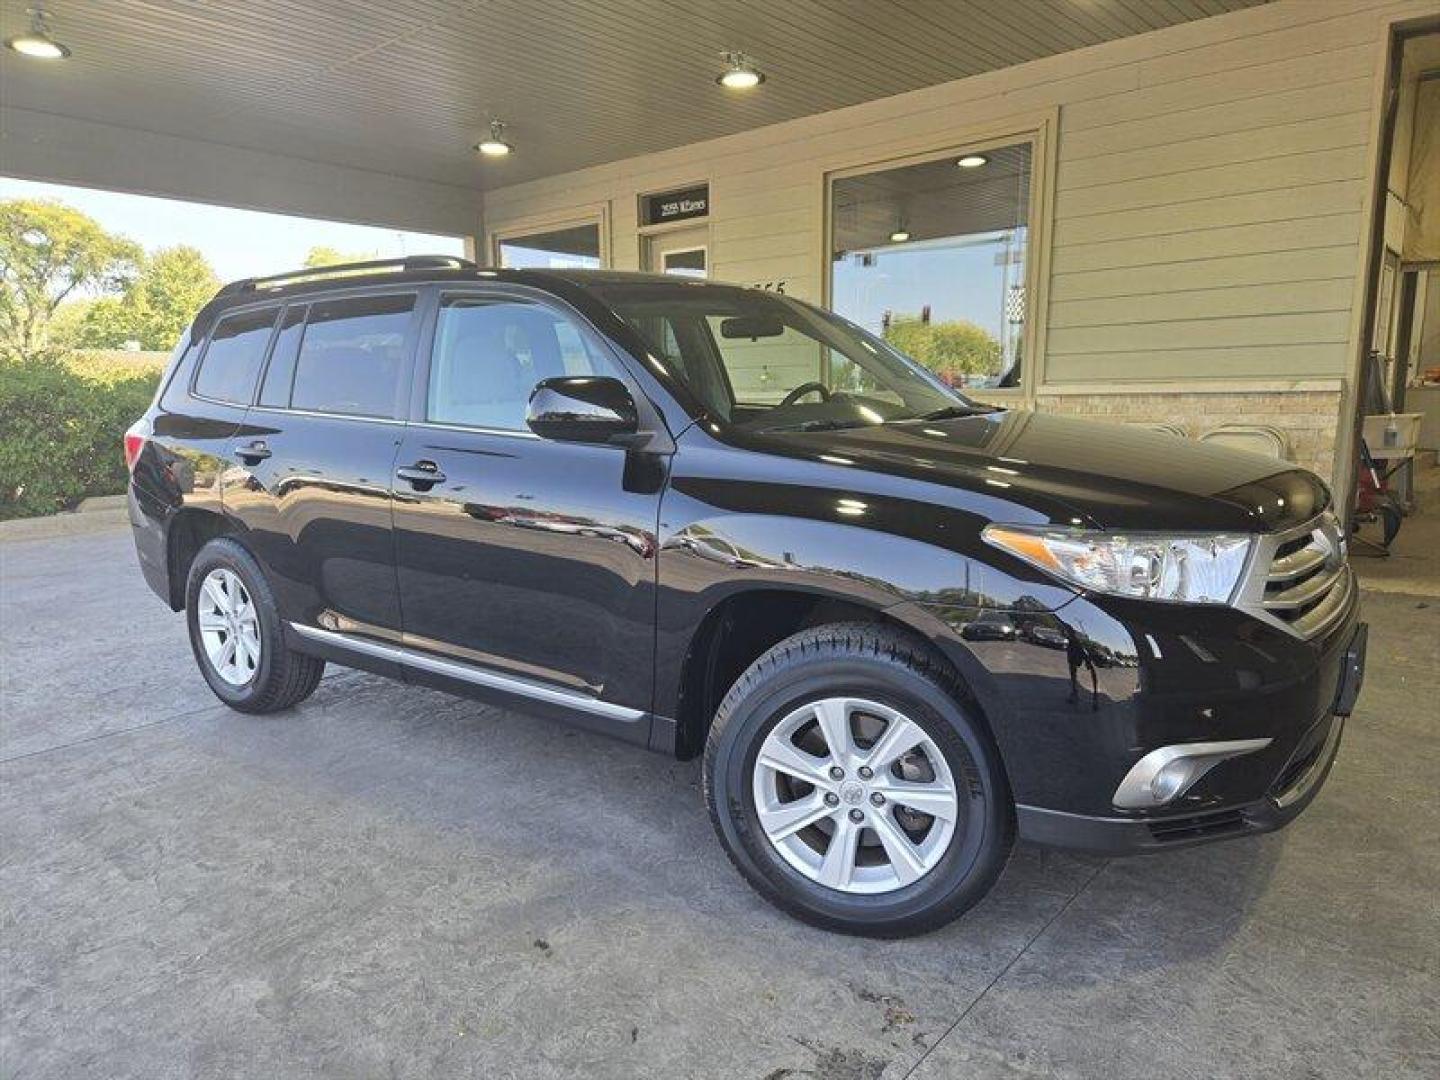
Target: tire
pixel 876 673
pixel 279 677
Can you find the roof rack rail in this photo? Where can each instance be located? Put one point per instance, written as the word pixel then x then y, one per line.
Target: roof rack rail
pixel 409 262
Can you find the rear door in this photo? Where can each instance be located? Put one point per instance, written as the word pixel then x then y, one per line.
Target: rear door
pixel 529 564
pixel 315 454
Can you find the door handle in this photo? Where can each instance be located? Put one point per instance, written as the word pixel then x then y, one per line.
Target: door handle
pixel 423 475
pixel 253 453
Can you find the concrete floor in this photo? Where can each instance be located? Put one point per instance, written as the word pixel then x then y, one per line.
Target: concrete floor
pixel 390 882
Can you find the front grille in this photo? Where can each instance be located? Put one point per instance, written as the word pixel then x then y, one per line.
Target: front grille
pixel 1196 826
pixel 1306 584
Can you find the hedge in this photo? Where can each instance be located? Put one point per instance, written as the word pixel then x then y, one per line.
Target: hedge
pixel 61 426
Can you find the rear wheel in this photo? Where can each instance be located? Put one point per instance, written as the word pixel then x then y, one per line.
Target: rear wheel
pixel 851 786
pixel 236 633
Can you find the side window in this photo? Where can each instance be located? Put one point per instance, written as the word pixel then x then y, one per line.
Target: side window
pixel 280 375
pixel 231 363
pixel 351 356
pixel 173 397
pixel 489 354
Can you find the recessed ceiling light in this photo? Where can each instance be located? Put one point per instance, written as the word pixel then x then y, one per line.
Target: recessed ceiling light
pixel 37 44
pixel 972 161
pixel 900 235
pixel 495 145
pixel 741 74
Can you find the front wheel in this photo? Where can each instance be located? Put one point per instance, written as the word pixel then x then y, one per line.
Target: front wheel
pixel 852 787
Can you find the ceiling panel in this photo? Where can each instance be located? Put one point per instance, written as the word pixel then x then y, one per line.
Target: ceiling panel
pixel 408 87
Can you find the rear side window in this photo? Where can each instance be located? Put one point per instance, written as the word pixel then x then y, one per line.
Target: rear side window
pixel 351 356
pixel 232 360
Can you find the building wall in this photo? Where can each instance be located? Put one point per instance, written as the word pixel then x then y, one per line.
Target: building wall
pixel 1203 209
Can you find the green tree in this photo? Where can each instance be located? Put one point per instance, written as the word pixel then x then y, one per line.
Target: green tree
pixel 156 306
pixel 946 348
pixel 48 251
pixel 174 284
pixel 320 256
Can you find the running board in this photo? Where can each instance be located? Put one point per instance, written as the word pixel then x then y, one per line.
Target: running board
pixel 478 676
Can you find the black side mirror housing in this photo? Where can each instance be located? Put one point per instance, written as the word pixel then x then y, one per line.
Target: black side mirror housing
pixel 582 408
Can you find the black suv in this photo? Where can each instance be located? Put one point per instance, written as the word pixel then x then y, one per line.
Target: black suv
pixel 900 626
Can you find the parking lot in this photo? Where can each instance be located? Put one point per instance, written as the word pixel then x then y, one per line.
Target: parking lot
pixel 392 882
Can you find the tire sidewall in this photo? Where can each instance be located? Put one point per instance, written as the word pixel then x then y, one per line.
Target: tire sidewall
pixel 976 852
pixel 229 555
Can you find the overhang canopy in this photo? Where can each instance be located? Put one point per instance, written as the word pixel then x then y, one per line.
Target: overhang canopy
pixel 389 98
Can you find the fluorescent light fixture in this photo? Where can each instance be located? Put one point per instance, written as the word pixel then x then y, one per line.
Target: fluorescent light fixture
pixel 900 235
pixel 740 73
pixel 495 145
pixel 37 44
pixel 972 161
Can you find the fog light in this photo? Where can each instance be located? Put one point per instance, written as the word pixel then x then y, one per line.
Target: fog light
pixel 1163 775
pixel 1171 780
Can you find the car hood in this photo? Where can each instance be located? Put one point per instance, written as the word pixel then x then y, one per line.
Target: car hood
pixel 1114 476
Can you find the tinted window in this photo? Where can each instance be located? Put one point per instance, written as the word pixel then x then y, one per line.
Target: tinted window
pixel 232 361
pixel 351 356
pixel 489 354
pixel 281 373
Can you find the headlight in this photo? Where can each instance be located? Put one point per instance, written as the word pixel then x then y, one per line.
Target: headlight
pixel 1149 566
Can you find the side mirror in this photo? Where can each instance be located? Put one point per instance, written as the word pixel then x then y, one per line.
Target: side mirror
pixel 581 408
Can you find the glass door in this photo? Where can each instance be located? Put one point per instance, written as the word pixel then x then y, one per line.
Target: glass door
pixel 681 252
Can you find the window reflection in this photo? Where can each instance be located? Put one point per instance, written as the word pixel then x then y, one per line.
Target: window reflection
pixel 575 247
pixel 932 257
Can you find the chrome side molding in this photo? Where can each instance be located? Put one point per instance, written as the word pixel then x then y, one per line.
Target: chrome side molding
pixel 471 673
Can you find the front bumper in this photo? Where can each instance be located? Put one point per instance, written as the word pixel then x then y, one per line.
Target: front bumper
pixel 1297 784
pixel 1071 724
pixel 1289 791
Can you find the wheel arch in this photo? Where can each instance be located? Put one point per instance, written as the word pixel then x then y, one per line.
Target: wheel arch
pixel 739 627
pixel 187 532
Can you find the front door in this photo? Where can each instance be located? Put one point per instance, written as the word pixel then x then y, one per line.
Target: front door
pixel 682 252
pixel 527 565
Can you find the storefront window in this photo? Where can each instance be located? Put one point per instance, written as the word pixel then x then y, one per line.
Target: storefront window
pixel 574 247
pixel 932 257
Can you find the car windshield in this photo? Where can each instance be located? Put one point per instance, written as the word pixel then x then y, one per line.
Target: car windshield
pixel 762 360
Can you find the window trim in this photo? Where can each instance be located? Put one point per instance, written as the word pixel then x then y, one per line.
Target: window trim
pixel 1039 131
pixel 239 311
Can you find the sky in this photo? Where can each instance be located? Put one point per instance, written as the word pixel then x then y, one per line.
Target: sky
pixel 238 243
pixel 958 282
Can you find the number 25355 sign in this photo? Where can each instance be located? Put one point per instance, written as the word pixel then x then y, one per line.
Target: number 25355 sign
pixel 770 286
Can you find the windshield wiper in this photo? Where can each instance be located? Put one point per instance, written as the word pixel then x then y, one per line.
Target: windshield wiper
pixel 955 412
pixel 829 424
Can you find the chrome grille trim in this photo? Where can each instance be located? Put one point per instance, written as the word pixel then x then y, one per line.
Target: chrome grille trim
pixel 1305 591
pixel 1329 611
pixel 1296 563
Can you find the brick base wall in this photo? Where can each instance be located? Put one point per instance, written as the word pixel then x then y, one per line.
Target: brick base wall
pixel 1309 418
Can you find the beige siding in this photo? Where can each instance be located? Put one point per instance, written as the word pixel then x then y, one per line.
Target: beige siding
pixel 1210 191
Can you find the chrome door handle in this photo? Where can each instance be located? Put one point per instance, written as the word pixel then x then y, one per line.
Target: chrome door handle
pixel 253 453
pixel 422 476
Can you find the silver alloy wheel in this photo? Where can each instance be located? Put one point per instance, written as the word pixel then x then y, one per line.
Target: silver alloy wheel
pixel 229 627
pixel 868 818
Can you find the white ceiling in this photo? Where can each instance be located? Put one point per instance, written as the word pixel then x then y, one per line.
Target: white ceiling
pixel 407 87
